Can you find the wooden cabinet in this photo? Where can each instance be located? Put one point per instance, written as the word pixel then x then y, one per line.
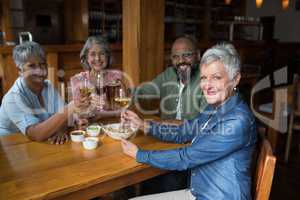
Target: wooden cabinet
pixel 200 18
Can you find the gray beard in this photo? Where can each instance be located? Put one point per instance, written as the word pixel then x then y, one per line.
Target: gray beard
pixel 184 76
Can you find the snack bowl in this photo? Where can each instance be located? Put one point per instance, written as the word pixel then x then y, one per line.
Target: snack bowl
pixel 90 143
pixel 77 135
pixel 116 132
pixel 93 130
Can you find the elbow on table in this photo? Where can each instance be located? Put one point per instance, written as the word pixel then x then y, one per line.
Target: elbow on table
pixel 35 135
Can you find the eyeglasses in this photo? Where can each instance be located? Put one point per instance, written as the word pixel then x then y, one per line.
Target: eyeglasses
pixel 36 66
pixel 97 54
pixel 184 55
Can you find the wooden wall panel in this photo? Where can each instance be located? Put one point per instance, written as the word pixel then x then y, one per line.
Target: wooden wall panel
pixel 152 38
pixel 76 20
pixel 143 39
pixel 5 15
pixel 9 71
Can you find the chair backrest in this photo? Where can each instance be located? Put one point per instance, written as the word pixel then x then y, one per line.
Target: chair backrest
pixel 264 172
pixel 295 92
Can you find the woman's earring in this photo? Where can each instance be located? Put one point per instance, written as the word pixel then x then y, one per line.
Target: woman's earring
pixel 21 72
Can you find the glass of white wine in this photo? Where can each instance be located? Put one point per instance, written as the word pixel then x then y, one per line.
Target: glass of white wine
pixel 85 89
pixel 123 100
pixel 123 96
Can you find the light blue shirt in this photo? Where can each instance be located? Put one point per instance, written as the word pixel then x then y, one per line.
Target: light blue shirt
pixel 21 107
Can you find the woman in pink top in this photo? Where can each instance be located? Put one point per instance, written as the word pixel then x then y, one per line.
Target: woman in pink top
pixel 95 57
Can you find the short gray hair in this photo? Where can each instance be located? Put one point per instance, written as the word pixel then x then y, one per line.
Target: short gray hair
pixel 225 53
pixel 101 41
pixel 25 51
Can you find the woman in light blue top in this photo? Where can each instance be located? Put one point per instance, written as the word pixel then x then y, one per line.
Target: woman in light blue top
pixel 32 105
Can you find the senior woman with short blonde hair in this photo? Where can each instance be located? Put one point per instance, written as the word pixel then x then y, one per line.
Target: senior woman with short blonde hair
pixel 220 140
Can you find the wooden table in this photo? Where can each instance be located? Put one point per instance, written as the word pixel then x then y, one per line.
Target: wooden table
pixel 34 170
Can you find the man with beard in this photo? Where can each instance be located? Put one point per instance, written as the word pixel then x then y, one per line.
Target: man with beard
pixel 178 86
pixel 181 98
pixel 32 105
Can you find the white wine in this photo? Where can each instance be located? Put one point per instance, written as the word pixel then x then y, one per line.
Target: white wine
pixel 122 101
pixel 86 91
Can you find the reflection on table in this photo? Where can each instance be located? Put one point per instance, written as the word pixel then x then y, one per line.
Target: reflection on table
pixel 33 170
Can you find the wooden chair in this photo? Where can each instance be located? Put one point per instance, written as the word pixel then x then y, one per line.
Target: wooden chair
pixel 294 124
pixel 264 172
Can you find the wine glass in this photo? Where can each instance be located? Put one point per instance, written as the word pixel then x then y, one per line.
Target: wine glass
pixel 85 89
pixel 123 100
pixel 99 89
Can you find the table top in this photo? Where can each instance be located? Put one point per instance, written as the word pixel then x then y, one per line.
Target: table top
pixel 38 170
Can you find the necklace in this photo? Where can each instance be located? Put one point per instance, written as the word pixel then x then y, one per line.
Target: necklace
pixel 206 123
pixel 203 126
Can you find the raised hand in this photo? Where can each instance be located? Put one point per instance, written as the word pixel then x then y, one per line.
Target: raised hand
pixel 131 117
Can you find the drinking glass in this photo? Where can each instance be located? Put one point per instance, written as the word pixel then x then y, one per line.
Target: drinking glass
pixel 86 89
pixel 112 91
pixel 123 100
pixel 100 91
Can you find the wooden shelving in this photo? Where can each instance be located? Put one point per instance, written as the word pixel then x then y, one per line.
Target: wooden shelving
pixel 199 18
pixel 105 18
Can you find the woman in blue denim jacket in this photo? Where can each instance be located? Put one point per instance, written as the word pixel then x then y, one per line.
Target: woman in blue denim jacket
pixel 220 140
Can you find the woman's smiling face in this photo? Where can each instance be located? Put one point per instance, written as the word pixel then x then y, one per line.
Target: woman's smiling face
pixel 97 58
pixel 215 83
pixel 35 71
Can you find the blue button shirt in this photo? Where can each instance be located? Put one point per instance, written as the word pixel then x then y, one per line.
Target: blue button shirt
pixel 21 107
pixel 219 155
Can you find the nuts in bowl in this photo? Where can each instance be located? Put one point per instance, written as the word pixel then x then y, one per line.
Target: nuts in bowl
pixel 117 132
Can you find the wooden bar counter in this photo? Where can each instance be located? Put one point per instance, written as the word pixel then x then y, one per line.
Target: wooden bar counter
pixel 35 170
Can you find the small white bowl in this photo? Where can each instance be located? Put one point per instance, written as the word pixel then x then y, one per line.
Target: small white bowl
pixel 77 135
pixel 93 130
pixel 90 143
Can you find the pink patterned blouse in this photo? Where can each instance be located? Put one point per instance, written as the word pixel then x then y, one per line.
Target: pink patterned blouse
pixel 109 77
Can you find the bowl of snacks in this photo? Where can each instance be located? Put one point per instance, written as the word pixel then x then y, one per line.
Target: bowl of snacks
pixel 90 143
pixel 93 130
pixel 77 135
pixel 117 131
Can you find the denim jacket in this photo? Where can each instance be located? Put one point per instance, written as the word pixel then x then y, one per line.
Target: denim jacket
pixel 219 153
